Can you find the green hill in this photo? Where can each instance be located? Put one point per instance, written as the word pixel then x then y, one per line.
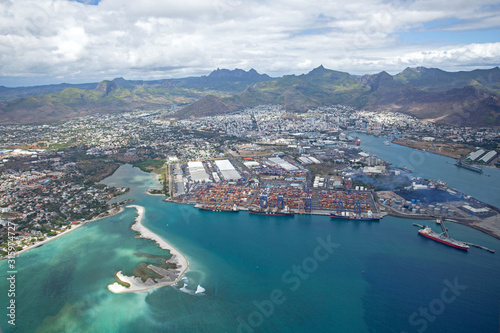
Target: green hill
pixel 120 95
pixel 434 79
pixel 462 98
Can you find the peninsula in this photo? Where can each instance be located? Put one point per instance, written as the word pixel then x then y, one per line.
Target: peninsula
pixel 167 276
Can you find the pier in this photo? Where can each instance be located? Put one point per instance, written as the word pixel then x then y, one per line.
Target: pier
pixel 480 247
pixel 444 230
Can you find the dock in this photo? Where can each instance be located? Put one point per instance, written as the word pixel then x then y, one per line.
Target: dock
pixel 445 231
pixel 470 167
pixel 480 247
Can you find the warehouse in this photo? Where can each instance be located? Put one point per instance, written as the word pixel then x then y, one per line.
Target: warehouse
pixel 227 169
pixel 283 164
pixel 197 172
pixel 475 155
pixel 488 157
pixel 304 160
pixel 252 164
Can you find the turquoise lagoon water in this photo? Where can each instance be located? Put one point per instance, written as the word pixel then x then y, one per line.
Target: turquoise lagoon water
pixel 261 274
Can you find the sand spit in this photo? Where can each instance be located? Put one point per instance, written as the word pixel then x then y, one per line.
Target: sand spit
pixel 168 277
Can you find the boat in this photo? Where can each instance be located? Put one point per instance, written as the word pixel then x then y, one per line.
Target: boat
pixel 470 167
pixel 406 169
pixel 270 213
pixel 387 143
pixel 369 217
pixel 358 142
pixel 224 209
pixel 442 238
pixel 283 212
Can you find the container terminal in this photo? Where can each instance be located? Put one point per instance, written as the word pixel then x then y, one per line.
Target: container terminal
pixel 357 187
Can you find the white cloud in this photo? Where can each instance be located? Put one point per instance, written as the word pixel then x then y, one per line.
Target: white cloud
pixel 486 54
pixel 159 39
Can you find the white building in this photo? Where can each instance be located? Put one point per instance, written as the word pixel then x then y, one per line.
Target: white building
pixel 227 169
pixel 197 172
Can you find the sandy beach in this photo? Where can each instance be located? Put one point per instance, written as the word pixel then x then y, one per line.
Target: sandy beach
pixel 169 277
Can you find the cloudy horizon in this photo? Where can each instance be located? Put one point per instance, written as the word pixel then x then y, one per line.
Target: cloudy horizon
pixel 55 41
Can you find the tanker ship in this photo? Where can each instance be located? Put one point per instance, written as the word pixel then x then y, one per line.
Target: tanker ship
pixel 443 238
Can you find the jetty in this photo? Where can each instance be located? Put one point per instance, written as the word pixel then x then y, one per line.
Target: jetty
pixel 480 247
pixel 440 221
pixel 470 167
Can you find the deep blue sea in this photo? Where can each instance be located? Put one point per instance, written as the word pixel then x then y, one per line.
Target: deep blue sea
pixel 261 274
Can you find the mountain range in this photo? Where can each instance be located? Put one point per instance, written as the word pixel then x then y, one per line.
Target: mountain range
pixel 466 98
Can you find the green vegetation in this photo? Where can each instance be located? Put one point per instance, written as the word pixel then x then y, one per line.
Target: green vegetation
pixel 417 91
pixel 151 165
pixel 54 103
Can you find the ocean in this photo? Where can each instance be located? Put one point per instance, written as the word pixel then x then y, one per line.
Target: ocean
pixel 260 274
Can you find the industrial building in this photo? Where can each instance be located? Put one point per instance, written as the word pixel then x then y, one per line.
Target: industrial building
pixel 197 172
pixel 475 155
pixel 227 170
pixel 488 157
pixel 283 164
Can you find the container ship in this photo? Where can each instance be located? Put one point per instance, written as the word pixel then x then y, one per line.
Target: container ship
pixel 224 209
pixel 283 212
pixel 443 238
pixel 346 216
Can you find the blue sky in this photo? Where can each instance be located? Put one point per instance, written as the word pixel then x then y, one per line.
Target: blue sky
pixel 54 41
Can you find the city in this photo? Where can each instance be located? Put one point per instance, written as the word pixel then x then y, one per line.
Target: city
pixel 51 173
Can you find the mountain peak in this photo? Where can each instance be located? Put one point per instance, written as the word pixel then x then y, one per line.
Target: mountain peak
pixel 319 70
pixel 235 73
pixel 106 86
pixel 378 81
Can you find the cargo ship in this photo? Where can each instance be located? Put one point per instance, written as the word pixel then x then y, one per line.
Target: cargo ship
pixel 283 212
pixel 369 217
pixel 470 167
pixel 442 238
pixel 223 209
pixel 270 213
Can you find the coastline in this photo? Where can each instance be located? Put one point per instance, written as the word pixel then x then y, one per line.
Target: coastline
pixel 154 194
pixel 169 277
pixel 404 144
pixel 109 213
